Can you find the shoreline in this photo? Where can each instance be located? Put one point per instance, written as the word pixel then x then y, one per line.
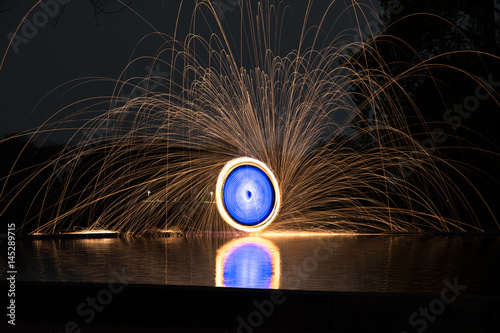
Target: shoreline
pixel 46 306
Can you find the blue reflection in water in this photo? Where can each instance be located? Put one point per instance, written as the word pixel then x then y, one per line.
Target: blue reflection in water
pixel 248 266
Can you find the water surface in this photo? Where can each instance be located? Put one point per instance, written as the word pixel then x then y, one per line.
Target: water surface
pixel 350 263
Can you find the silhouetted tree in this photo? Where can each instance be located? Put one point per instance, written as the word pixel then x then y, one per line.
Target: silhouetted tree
pixel 98 6
pixel 419 66
pixel 6 5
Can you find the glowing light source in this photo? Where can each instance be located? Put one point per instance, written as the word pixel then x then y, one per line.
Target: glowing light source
pixel 250 262
pixel 91 232
pixel 247 194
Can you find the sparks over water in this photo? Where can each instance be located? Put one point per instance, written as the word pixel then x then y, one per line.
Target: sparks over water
pixel 248 137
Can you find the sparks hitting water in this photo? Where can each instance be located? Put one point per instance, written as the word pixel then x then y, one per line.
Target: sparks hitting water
pixel 281 114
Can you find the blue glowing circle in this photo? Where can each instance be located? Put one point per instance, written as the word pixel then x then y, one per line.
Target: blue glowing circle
pixel 248 266
pixel 248 195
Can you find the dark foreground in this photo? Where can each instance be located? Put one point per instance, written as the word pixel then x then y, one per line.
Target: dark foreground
pixel 121 307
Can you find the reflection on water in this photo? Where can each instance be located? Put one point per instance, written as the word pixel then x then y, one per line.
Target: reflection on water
pixel 337 263
pixel 250 262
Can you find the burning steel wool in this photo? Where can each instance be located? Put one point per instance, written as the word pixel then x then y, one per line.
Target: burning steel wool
pixel 247 194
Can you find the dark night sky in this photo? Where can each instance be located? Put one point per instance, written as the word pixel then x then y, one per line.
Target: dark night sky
pixel 74 48
pixel 77 47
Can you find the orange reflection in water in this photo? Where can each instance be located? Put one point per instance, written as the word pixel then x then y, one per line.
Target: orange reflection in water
pixel 250 262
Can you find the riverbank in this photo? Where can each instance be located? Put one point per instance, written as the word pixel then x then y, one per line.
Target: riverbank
pixel 118 306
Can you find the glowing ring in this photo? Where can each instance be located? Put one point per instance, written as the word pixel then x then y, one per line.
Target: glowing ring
pixel 247 194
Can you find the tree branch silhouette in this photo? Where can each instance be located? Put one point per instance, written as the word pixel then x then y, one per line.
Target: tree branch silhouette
pixel 99 7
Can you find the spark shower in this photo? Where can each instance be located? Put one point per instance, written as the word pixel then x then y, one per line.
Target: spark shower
pixel 243 135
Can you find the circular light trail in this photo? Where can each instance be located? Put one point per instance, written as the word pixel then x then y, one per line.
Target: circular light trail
pixel 247 194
